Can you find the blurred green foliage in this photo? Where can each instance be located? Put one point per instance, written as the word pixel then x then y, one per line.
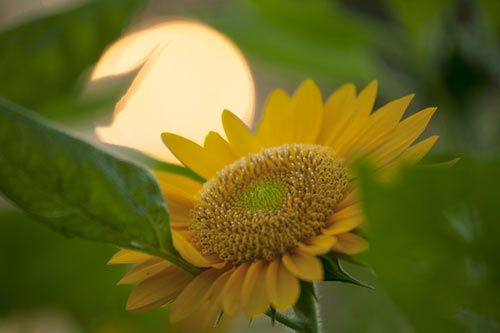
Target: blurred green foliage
pixel 44 270
pixel 308 37
pixel 433 238
pixel 41 61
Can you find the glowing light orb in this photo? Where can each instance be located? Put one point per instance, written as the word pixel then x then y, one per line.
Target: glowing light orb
pixel 193 73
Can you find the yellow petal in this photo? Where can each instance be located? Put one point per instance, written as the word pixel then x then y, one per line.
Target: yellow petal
pixel 239 136
pixel 336 113
pixel 402 137
pixel 306 113
pixel 350 243
pixel 283 288
pixel 215 294
pixel 191 154
pixel 272 127
pixel 193 295
pixel 232 300
pixel 381 123
pixel 203 320
pixel 343 221
pixel 179 222
pixel 158 290
pixel 351 211
pixel 128 257
pixel 411 156
pixel 342 226
pixel 304 266
pixel 357 122
pixel 447 164
pixel 254 296
pixel 179 211
pixel 187 186
pixel 179 193
pixel 213 305
pixel 366 99
pixel 219 149
pixel 178 205
pixel 351 198
pixel 145 270
pixel 179 189
pixel 317 245
pixel 189 252
pixel 415 153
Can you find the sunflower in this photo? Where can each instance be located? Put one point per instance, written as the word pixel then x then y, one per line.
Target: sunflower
pixel 273 202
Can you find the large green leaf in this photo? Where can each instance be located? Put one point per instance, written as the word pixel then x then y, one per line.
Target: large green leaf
pixel 43 59
pixel 79 190
pixel 434 244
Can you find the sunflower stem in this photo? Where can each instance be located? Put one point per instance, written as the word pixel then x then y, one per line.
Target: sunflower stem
pixel 314 315
pixel 307 307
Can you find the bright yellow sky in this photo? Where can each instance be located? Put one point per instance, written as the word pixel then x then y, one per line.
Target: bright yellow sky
pixel 193 73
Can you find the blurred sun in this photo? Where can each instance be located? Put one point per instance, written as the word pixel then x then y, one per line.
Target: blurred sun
pixel 192 73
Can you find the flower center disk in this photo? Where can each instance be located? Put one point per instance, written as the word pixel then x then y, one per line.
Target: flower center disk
pixel 263 204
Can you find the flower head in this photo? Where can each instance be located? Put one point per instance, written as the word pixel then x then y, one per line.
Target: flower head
pixel 274 201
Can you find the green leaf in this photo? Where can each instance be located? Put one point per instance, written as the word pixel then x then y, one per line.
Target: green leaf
pixel 334 271
pixel 42 60
pixel 434 243
pixel 79 190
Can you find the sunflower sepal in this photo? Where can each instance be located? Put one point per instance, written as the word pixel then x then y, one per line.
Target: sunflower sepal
pixel 353 261
pixel 272 314
pixel 335 272
pixel 219 318
pixel 296 323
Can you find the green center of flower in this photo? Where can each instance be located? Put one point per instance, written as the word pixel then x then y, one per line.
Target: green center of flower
pixel 265 195
pixel 263 204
